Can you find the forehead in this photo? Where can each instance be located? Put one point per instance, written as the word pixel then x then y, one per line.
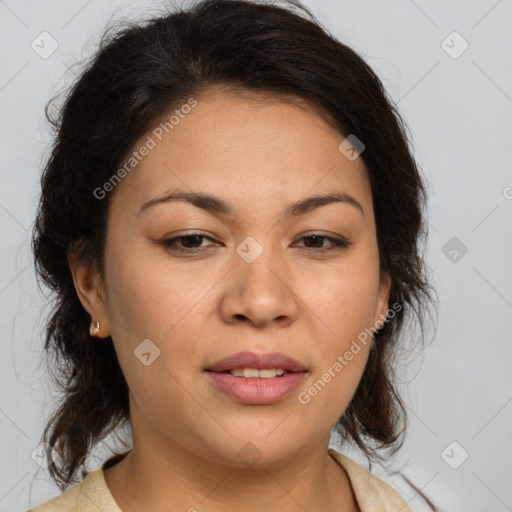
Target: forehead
pixel 244 148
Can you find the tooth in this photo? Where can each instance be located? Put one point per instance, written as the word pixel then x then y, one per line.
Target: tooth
pixel 268 373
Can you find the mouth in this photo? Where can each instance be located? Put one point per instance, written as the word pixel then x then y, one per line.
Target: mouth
pixel 250 365
pixel 261 389
pixel 255 373
pixel 256 379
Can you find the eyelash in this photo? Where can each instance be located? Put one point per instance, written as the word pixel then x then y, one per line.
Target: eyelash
pixel 337 244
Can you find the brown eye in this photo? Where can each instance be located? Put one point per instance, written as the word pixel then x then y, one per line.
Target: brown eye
pixel 192 243
pixel 316 243
pixel 185 243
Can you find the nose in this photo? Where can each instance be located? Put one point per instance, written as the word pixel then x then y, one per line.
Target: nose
pixel 260 292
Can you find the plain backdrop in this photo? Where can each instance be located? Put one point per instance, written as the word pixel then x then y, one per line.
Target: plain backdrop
pixel 447 66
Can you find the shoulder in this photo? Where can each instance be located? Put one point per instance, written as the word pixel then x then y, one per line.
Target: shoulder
pixel 91 494
pixel 66 502
pixel 372 494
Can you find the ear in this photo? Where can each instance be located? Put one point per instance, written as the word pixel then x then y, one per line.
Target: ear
pixel 90 290
pixel 381 312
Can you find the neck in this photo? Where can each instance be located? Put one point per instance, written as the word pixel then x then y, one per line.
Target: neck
pixel 151 478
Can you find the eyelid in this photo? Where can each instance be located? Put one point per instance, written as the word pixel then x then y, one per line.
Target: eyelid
pixel 336 242
pixel 325 234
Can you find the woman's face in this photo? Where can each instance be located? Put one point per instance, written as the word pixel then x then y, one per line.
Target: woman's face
pixel 252 279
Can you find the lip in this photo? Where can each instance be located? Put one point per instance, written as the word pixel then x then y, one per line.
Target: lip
pixel 256 391
pixel 249 359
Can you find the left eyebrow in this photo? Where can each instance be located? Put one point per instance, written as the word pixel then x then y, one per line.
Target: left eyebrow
pixel 216 205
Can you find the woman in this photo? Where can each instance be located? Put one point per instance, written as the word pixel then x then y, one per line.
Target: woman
pixel 230 220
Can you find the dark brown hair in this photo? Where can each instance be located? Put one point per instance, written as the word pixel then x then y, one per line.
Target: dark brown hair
pixel 144 70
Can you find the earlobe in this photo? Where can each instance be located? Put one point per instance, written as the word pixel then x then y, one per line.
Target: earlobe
pixel 90 291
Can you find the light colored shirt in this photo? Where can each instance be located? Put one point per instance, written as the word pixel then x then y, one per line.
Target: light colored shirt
pixel 93 495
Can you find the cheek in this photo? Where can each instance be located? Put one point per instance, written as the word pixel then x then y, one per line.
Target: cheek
pixel 341 345
pixel 151 299
pixel 150 296
pixel 330 390
pixel 344 298
pixel 148 303
pixel 344 301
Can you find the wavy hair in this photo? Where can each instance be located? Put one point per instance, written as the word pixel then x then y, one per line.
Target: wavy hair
pixel 143 70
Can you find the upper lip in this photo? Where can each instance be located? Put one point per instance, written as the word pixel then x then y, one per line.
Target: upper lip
pixel 258 361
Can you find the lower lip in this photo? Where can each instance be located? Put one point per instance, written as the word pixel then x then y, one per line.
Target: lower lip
pixel 256 391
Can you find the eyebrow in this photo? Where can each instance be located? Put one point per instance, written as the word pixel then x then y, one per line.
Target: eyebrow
pixel 216 205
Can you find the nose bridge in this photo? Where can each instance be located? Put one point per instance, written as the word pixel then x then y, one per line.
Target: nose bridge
pixel 261 264
pixel 261 291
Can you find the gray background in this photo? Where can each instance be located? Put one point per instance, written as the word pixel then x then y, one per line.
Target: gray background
pixel 459 110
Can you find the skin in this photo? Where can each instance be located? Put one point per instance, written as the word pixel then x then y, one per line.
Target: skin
pixel 200 307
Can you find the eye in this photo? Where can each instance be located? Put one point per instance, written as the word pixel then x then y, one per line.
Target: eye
pixel 317 240
pixel 185 243
pixel 192 243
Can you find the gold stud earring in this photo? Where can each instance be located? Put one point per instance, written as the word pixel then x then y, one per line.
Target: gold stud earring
pixel 97 328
